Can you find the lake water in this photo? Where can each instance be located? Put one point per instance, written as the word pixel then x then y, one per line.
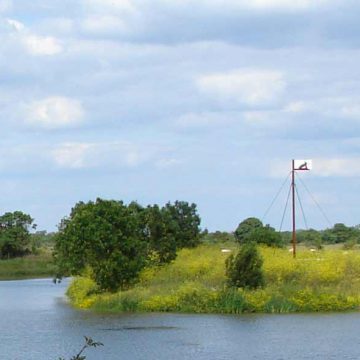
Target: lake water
pixel 36 323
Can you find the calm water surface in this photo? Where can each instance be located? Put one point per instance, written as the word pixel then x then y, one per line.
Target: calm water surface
pixel 36 323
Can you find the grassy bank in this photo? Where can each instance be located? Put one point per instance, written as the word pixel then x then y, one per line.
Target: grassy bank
pixel 326 280
pixel 32 266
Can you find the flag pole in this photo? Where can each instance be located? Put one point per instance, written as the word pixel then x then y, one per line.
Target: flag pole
pixel 293 209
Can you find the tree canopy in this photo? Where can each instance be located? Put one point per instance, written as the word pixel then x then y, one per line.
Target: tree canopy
pixel 115 241
pixel 253 230
pixel 245 228
pixel 105 236
pixel 15 234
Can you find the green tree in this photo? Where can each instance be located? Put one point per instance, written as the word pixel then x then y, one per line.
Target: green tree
pixel 15 234
pixel 183 222
pixel 265 235
pixel 106 236
pixel 245 269
pixel 245 228
pixel 160 233
pixel 342 232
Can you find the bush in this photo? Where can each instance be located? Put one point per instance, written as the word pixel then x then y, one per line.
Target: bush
pixel 245 269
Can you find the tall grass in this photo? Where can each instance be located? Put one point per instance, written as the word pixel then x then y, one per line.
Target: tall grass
pixel 32 266
pixel 327 280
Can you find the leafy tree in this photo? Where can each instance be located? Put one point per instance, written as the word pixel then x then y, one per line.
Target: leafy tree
pixel 253 230
pixel 15 234
pixel 245 228
pixel 116 241
pixel 183 222
pixel 342 232
pixel 265 235
pixel 169 228
pixel 245 269
pixel 106 236
pixel 160 234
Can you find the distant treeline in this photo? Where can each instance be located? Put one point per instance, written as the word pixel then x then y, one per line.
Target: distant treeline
pixel 18 235
pixel 252 229
pixel 338 234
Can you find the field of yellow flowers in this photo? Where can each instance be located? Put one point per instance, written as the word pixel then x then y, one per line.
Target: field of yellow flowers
pixel 325 280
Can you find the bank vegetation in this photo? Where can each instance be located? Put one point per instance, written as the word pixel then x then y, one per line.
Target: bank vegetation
pixel 321 280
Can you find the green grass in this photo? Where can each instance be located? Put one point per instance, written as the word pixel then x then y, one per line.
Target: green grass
pixel 326 280
pixel 32 266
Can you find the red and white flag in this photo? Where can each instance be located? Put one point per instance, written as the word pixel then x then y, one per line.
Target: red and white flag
pixel 302 164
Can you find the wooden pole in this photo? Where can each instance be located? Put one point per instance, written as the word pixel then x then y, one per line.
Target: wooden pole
pixel 293 209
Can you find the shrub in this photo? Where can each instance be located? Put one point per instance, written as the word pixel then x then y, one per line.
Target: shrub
pixel 80 292
pixel 245 269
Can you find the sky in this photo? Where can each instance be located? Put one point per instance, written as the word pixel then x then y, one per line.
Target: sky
pixel 204 101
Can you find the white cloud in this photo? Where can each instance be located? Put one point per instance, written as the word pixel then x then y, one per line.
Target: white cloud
pixel 251 87
pixel 15 25
pixel 343 107
pixel 55 112
pixel 71 155
pixel 42 45
pixel 112 155
pixel 110 17
pixel 344 167
pixel 33 44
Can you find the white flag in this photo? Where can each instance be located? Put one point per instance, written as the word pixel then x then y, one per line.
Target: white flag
pixel 302 164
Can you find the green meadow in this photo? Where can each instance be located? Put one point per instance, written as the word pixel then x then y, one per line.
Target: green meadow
pixel 195 282
pixel 31 266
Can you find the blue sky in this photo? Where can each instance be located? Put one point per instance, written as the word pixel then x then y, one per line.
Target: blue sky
pixel 205 101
